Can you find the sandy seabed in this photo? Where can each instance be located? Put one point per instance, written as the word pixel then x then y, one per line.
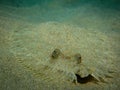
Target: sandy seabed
pixel 26 48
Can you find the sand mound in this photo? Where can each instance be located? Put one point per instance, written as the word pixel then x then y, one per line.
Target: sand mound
pixel 32 47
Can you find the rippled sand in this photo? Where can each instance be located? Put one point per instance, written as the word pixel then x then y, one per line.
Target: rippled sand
pixel 26 47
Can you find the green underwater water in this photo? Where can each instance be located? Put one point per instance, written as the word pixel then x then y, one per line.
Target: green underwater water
pixel 79 12
pixel 70 3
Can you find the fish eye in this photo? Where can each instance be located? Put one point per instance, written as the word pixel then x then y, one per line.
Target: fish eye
pixel 55 53
pixel 78 57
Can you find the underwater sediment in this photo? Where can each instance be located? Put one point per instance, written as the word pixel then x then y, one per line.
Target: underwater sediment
pixel 58 55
